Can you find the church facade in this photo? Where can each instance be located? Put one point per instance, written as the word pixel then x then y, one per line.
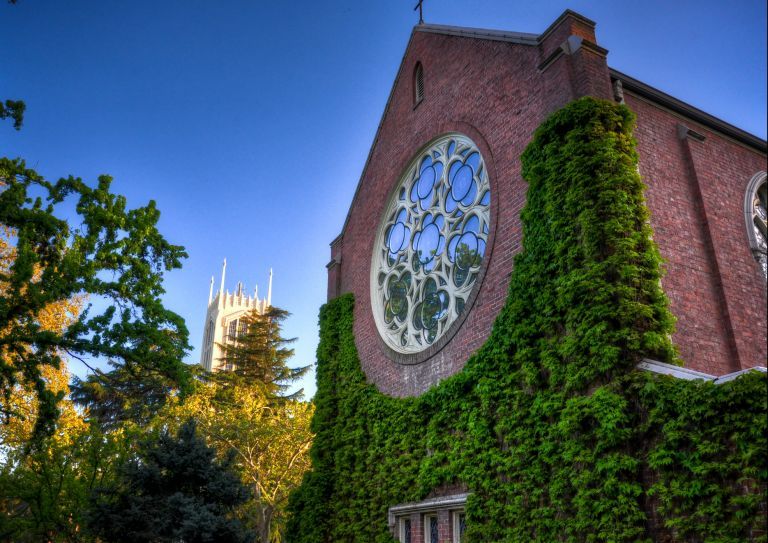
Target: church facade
pixel 430 425
pixel 703 178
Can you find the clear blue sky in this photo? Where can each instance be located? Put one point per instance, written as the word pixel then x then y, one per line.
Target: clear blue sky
pixel 249 121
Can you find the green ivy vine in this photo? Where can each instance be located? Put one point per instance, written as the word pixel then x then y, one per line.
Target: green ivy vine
pixel 550 427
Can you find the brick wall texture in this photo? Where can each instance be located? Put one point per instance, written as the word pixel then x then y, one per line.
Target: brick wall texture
pixel 497 91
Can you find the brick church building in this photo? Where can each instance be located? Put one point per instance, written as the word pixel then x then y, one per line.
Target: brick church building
pixel 702 178
pixel 428 245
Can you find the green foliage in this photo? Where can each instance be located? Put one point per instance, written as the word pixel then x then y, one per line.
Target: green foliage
pixel 270 440
pixel 44 494
pixel 116 255
pixel 175 490
pixel 15 110
pixel 260 354
pixel 549 426
pixel 125 394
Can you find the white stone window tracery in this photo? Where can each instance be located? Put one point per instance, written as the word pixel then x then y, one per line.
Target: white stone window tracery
pixel 232 330
pixel 756 219
pixel 430 245
pixel 459 526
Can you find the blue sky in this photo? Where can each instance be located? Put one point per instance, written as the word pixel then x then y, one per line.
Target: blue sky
pixel 249 122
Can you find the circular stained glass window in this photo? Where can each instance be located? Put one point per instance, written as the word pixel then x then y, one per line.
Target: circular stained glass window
pixel 431 244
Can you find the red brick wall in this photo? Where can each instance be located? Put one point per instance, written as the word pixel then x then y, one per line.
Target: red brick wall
pixel 497 93
pixel 695 191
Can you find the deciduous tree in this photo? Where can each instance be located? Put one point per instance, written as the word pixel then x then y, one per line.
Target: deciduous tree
pixel 114 254
pixel 44 492
pixel 270 440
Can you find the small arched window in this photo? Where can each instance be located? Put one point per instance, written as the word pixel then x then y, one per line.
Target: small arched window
pixel 755 202
pixel 418 84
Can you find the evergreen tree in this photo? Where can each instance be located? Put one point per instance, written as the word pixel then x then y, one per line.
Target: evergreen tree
pixel 260 354
pixel 174 491
pixel 123 394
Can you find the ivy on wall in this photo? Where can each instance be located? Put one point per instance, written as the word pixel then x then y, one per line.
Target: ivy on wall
pixel 549 426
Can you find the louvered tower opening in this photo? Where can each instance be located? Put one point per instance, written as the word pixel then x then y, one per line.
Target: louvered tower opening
pixel 418 83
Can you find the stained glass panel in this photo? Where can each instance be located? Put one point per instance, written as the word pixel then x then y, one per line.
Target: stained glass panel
pixel 405 536
pixel 433 531
pixel 431 244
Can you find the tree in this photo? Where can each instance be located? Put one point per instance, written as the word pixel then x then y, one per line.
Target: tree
pixel 260 354
pixel 116 255
pixel 176 490
pixel 270 441
pixel 44 493
pixel 123 394
pixel 15 110
pixel 21 406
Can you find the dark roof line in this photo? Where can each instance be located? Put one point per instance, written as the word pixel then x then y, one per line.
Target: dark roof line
pixel 522 38
pixel 678 106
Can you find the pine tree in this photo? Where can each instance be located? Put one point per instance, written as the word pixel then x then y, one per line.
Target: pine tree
pixel 260 354
pixel 174 491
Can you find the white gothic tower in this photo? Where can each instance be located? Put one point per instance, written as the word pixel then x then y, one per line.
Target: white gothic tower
pixel 222 318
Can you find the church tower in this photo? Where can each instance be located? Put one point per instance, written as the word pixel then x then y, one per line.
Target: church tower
pixel 222 319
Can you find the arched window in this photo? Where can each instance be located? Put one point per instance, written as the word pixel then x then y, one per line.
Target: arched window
pixel 232 330
pixel 208 345
pixel 418 83
pixel 755 217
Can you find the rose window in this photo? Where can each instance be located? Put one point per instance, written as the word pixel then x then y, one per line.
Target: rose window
pixel 755 213
pixel 430 245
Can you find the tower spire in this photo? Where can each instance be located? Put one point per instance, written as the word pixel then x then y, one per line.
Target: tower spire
pixel 223 274
pixel 210 293
pixel 269 289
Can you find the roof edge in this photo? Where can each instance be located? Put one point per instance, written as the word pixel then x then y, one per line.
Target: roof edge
pixel 693 113
pixel 522 38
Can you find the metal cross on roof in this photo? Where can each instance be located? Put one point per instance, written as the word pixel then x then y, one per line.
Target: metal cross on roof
pixel 421 15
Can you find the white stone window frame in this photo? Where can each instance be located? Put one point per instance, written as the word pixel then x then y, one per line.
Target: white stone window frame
pixel 404 529
pixel 427 525
pixel 424 508
pixel 757 249
pixel 232 330
pixel 208 344
pixel 455 524
pixel 412 353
